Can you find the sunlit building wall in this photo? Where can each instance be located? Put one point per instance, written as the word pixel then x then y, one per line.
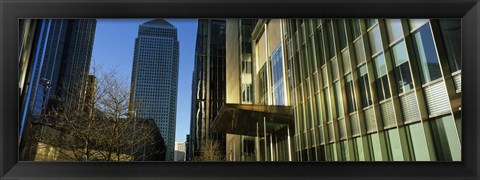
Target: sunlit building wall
pixel 374 89
pixel 180 149
pixel 256 75
pixel 239 82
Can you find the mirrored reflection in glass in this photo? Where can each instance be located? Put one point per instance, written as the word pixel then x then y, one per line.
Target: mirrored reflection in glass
pixel 426 53
pixel 402 69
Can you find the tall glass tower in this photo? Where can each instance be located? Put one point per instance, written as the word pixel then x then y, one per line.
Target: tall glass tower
pixel 155 77
pixel 55 58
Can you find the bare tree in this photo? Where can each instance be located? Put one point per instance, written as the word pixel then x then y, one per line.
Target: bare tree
pixel 210 151
pixel 105 128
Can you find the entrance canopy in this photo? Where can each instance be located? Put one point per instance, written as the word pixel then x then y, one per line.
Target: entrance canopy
pixel 247 119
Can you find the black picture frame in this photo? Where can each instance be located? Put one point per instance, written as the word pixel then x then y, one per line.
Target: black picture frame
pixel 12 10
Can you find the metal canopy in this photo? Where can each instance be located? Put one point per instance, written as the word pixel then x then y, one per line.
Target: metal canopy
pixel 242 119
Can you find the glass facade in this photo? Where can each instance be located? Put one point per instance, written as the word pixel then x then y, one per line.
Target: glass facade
pixel 426 52
pixel 360 99
pixel 57 51
pixel 278 78
pixel 209 84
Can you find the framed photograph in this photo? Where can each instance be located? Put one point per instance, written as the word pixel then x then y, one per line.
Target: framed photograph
pixel 239 89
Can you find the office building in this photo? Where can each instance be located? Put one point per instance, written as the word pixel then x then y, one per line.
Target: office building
pixel 180 150
pixel 54 62
pixel 155 77
pixel 258 123
pixel 376 89
pixel 208 84
pixel 358 90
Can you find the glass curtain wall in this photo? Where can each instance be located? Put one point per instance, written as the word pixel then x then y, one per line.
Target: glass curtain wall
pixel 374 89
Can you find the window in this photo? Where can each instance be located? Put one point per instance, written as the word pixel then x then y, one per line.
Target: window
pixel 359 149
pixel 319 45
pixel 330 40
pixel 334 69
pixel 356 28
pixel 319 109
pixel 382 80
pixel 312 54
pixel 418 142
pixel 359 51
pixel 402 69
pixel 326 97
pixel 325 76
pixel 341 33
pixel 416 23
pixel 349 92
pixel 346 61
pixel 364 84
pixel 375 40
pixel 339 102
pixel 374 146
pixel 447 141
pixel 370 22
pixel 396 152
pixel 451 33
pixel 426 53
pixel 394 29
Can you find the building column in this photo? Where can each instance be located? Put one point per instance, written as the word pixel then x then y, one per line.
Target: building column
pixel 257 146
pixel 265 137
pixel 289 144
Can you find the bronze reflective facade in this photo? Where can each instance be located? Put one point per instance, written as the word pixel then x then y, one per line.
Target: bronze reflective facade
pixel 208 85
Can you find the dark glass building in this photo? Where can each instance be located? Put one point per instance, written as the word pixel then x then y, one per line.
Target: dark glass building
pixel 54 63
pixel 208 86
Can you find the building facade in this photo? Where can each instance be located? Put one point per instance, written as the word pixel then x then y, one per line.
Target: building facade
pixel 359 90
pixel 155 77
pixel 255 83
pixel 208 84
pixel 180 149
pixel 375 89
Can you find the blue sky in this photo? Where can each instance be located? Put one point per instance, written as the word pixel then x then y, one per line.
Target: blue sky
pixel 113 48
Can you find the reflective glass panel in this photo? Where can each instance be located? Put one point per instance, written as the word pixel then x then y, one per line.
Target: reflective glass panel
pixel 375 40
pixel 402 69
pixel 382 79
pixel 349 91
pixel 419 143
pixel 342 33
pixel 346 61
pixel 356 28
pixel 359 51
pixel 452 36
pixel 339 103
pixel 426 53
pixel 395 146
pixel 416 23
pixel 446 139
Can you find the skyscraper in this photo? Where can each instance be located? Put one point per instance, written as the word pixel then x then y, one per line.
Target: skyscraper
pixel 155 77
pixel 208 86
pixel 55 61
